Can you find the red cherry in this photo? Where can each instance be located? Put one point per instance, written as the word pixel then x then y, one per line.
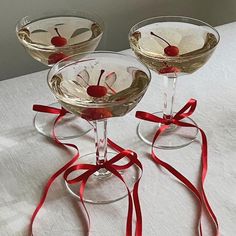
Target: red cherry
pixel 96 91
pixel 171 51
pixel 55 57
pixel 96 113
pixel 169 69
pixel 58 40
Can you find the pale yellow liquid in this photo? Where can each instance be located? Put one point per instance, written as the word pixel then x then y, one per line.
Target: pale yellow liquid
pixel 195 44
pixel 81 34
pixel 122 96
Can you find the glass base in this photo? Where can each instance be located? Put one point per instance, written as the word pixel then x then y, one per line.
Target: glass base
pixel 71 126
pixel 104 187
pixel 172 138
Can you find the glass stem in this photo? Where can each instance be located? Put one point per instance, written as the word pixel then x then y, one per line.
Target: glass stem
pixel 100 133
pixel 169 95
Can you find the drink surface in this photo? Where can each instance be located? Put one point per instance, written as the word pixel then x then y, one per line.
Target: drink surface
pixel 195 44
pixel 79 35
pixel 124 87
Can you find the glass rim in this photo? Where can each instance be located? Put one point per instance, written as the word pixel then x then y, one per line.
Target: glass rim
pixel 171 58
pixel 102 104
pixel 70 13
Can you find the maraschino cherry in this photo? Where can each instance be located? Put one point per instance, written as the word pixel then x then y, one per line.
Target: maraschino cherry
pixel 169 69
pixel 170 50
pixel 96 113
pixel 58 40
pixel 97 91
pixel 55 57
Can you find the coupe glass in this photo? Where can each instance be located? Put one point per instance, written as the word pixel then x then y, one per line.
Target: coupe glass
pixel 172 46
pixel 98 86
pixel 49 38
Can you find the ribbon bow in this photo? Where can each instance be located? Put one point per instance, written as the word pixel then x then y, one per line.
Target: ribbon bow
pixel 110 165
pixel 186 111
pixel 113 168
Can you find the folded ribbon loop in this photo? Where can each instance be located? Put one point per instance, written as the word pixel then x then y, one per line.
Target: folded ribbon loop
pixel 48 109
pixel 187 110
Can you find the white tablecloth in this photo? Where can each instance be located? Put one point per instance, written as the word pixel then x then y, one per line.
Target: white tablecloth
pixel 27 159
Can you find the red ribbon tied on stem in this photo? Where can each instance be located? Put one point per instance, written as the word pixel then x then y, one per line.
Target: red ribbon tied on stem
pixel 110 165
pixel 186 111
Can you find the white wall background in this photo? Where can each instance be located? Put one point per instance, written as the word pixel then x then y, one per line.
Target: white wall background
pixel 118 15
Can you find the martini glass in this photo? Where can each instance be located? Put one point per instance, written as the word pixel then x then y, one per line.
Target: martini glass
pixel 98 86
pixel 172 46
pixel 49 38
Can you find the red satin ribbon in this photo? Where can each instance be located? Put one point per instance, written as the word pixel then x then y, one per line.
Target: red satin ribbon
pixel 113 168
pixel 110 165
pixel 186 111
pixel 51 110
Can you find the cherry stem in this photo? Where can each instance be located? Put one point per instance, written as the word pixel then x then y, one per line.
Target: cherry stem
pixel 160 38
pixel 100 76
pixel 56 29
